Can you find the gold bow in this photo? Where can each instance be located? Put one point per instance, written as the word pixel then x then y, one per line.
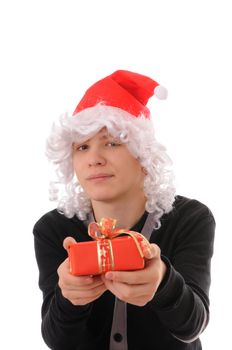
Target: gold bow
pixel 103 232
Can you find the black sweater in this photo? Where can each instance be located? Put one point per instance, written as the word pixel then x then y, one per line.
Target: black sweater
pixel 179 310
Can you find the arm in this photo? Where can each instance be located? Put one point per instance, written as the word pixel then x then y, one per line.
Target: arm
pixel 64 314
pixel 182 301
pixel 178 294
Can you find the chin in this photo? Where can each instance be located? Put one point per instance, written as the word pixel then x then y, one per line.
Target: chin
pixel 101 196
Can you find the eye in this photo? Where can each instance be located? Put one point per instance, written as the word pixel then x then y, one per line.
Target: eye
pixel 80 148
pixel 113 144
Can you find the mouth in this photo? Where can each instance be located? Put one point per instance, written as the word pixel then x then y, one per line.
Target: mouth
pixel 99 177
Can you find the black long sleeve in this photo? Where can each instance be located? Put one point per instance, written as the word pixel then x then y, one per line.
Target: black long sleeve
pixel 189 276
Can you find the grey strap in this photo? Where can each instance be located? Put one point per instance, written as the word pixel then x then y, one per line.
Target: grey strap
pixel 118 336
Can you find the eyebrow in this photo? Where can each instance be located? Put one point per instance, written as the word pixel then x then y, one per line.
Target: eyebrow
pixel 104 136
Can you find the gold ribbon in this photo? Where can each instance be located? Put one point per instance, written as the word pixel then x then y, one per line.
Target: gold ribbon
pixel 103 233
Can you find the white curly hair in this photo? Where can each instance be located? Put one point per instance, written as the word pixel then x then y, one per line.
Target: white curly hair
pixel 137 133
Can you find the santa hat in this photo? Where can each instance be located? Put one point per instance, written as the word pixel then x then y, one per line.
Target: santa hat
pixel 123 89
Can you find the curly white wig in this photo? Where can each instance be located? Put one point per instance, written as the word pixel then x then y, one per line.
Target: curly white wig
pixel 137 133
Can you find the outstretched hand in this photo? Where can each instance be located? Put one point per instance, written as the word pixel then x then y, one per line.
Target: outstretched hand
pixel 79 290
pixel 138 287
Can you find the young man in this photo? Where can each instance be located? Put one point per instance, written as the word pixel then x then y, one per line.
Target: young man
pixel 110 165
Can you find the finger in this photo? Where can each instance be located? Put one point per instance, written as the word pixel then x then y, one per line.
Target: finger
pixel 74 283
pixel 66 279
pixel 129 277
pixel 152 251
pixel 85 293
pixel 137 295
pixel 86 282
pixel 84 300
pixel 145 245
pixel 133 277
pixel 68 241
pixel 64 268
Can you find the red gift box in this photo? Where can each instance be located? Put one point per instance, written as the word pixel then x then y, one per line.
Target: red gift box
pixel 110 250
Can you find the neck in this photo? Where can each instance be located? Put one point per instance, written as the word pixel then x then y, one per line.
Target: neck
pixel 127 215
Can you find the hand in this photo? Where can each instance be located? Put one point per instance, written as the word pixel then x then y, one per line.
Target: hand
pixel 138 287
pixel 79 290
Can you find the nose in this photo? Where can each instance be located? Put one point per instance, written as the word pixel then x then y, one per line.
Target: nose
pixel 96 158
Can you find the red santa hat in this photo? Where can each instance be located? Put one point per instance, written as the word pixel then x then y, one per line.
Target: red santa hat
pixel 123 89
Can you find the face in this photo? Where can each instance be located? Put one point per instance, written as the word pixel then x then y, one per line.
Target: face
pixel 106 169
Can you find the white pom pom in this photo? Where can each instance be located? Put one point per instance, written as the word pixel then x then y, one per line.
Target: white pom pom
pixel 161 92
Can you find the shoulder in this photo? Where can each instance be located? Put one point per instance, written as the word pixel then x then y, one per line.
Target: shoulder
pixel 52 217
pixel 53 223
pixel 189 224
pixel 188 215
pixel 188 206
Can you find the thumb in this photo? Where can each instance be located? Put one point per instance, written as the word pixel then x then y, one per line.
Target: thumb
pixel 68 241
pixel 152 252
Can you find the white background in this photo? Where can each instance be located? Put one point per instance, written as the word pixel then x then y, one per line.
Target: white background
pixel 51 51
